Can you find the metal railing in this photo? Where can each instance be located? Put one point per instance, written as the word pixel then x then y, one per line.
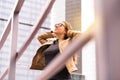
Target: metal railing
pixel 12 25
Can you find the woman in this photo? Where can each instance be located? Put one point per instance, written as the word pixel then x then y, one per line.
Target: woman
pixel 49 49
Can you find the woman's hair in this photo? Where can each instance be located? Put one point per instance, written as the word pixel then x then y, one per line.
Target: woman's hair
pixel 67 25
pixel 67 28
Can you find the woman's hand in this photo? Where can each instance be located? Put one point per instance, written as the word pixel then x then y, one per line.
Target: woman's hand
pixel 53 33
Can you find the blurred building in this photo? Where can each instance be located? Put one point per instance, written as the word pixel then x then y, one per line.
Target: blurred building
pixel 73 15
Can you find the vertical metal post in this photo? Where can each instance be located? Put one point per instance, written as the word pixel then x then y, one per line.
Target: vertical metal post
pixel 108 39
pixel 14 30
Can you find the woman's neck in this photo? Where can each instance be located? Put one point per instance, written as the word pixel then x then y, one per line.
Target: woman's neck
pixel 60 37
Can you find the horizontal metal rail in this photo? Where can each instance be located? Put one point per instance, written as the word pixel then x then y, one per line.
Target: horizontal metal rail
pixel 27 24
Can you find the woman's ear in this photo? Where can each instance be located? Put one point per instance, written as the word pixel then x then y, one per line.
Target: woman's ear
pixel 65 32
pixel 69 33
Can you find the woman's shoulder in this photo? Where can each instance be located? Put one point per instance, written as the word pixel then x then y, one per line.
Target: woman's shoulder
pixel 73 33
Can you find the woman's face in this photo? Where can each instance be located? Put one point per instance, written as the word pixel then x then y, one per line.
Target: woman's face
pixel 60 28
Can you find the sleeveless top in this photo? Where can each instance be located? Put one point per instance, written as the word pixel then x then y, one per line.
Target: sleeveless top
pixel 50 53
